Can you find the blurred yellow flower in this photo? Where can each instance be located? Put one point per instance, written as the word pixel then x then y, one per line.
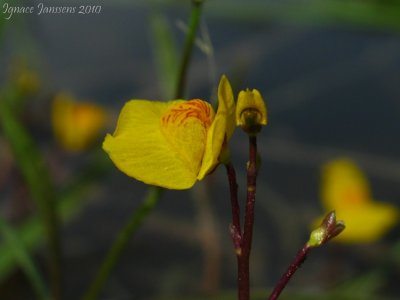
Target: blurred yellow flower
pixel 76 124
pixel 345 189
pixel 25 79
pixel 172 144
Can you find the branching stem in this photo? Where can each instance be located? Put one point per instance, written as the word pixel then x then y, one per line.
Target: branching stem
pixel 242 240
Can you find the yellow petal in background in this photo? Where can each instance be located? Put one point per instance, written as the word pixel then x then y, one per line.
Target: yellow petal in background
pixel 76 124
pixel 345 189
pixel 343 184
pixel 368 223
pixel 27 81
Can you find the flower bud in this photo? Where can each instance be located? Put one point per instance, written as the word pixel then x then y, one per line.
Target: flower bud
pixel 328 229
pixel 251 111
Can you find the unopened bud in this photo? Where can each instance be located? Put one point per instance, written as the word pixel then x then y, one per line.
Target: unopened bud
pixel 328 229
pixel 251 111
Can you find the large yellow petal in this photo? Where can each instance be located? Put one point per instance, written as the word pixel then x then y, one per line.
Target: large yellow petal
pixel 140 149
pixel 343 185
pixel 221 128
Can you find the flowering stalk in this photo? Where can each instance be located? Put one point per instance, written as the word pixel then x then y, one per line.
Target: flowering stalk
pixel 251 115
pixel 328 229
pixel 283 281
pixel 244 262
pixel 242 241
pixel 235 227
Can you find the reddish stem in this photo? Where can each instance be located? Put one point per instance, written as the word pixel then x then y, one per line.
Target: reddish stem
pixel 242 241
pixel 251 196
pixel 235 226
pixel 298 261
pixel 244 272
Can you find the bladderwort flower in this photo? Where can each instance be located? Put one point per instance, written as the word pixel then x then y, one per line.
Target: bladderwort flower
pixel 345 189
pixel 26 80
pixel 77 124
pixel 172 144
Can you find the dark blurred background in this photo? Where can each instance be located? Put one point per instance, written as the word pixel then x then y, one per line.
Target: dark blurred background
pixel 330 74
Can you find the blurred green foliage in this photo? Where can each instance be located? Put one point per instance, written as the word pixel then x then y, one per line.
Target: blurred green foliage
pixel 15 249
pixel 373 14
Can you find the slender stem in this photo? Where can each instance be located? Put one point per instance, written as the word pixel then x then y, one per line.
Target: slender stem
pixel 298 261
pixel 122 239
pixel 242 241
pixel 251 195
pixel 187 51
pixel 244 261
pixel 235 226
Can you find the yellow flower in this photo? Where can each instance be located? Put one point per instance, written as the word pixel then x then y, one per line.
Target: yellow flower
pixel 76 125
pixel 345 189
pixel 25 79
pixel 28 82
pixel 251 111
pixel 172 144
